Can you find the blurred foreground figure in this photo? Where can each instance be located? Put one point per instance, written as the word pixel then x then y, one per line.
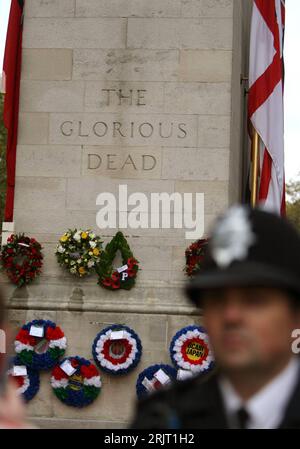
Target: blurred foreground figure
pixel 249 292
pixel 12 408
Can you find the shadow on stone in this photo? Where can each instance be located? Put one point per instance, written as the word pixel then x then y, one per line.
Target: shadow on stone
pixel 76 299
pixel 20 293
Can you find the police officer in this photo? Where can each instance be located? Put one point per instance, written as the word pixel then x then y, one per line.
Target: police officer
pixel 249 293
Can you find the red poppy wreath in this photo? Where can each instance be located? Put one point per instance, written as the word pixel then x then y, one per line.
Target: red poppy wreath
pixel 194 256
pixel 21 259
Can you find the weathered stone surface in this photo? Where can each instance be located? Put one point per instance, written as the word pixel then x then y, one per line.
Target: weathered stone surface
pixel 211 66
pixel 40 193
pixel 128 8
pixel 33 128
pixel 48 161
pixel 197 98
pixel 47 64
pixel 180 33
pixel 50 8
pixel 125 65
pixel 214 131
pixel 70 33
pixel 52 96
pixel 50 423
pixel 207 8
pixel 78 200
pixel 195 163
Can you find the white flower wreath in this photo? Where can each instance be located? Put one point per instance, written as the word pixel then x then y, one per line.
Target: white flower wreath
pixel 129 355
pixel 190 350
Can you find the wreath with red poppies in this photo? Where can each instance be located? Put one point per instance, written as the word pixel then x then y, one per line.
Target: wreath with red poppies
pixel 194 256
pixel 21 259
pixel 122 277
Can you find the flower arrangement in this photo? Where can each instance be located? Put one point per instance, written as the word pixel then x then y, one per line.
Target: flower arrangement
pixel 39 344
pixel 27 380
pixel 22 259
pixel 190 350
pixel 194 256
pixel 154 378
pixel 123 277
pixel 79 384
pixel 117 349
pixel 79 251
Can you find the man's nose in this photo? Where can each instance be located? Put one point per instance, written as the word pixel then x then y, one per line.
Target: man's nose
pixel 232 311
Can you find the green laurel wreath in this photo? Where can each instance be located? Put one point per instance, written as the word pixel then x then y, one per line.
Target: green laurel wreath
pixel 109 277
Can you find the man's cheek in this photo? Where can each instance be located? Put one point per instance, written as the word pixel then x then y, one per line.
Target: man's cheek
pixel 272 342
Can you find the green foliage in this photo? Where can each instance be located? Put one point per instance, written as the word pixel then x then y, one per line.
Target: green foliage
pixel 61 393
pixel 26 357
pixel 56 353
pixel 108 276
pixel 293 202
pixel 90 391
pixel 2 161
pixel 79 251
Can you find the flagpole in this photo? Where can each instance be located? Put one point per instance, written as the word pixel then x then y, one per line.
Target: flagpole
pixel 255 163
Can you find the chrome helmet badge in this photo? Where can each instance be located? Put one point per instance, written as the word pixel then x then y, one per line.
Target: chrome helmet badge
pixel 232 237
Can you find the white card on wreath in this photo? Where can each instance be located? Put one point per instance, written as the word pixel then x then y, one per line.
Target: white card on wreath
pixel 117 335
pixel 162 377
pixel 148 385
pixel 183 374
pixel 123 268
pixel 67 367
pixel 36 331
pixel 19 370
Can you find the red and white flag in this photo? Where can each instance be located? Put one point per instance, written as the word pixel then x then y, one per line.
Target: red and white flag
pixel 265 108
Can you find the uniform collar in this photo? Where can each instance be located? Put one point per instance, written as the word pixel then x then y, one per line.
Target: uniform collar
pixel 267 407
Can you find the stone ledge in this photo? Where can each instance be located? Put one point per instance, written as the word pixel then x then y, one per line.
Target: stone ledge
pixel 62 423
pixel 149 309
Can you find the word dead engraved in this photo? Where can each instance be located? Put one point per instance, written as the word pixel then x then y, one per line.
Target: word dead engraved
pixel 112 162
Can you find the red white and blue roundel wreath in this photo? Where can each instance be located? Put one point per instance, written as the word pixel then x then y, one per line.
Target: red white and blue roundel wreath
pixel 39 344
pixel 190 350
pixel 117 349
pixel 154 378
pixel 27 380
pixel 76 381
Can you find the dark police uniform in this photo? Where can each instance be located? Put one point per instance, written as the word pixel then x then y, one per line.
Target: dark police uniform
pixel 247 248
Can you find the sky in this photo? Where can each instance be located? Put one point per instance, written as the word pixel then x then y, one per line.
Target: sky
pixel 292 81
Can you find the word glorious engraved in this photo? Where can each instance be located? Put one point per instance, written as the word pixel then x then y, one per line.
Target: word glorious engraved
pixel 116 129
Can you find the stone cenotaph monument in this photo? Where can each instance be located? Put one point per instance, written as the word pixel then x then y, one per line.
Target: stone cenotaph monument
pixel 135 93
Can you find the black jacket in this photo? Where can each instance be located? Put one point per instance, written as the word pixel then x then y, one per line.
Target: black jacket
pixel 197 404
